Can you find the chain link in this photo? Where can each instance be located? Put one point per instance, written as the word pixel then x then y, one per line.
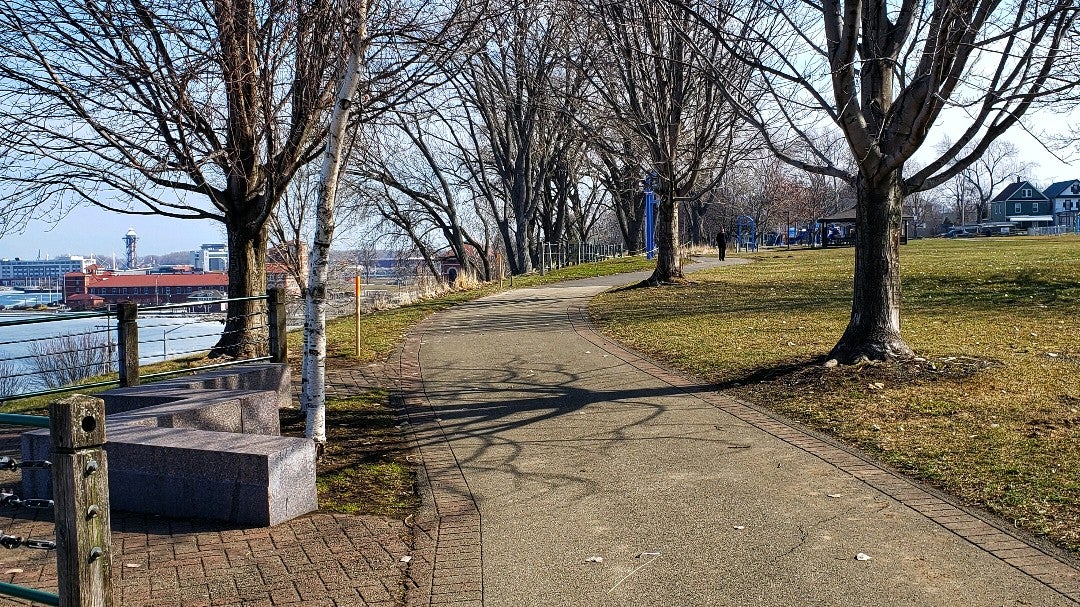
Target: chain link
pixel 10 499
pixel 12 542
pixel 10 463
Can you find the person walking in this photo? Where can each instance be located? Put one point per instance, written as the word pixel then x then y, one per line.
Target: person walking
pixel 721 243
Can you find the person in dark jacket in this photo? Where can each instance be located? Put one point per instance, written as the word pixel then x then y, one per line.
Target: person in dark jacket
pixel 721 243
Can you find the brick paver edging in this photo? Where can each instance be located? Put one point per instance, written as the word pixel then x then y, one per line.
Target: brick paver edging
pixel 1058 571
pixel 446 565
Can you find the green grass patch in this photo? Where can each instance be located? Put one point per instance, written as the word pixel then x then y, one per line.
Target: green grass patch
pixel 991 414
pixel 365 468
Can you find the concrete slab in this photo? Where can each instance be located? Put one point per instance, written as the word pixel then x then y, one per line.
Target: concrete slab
pixel 200 447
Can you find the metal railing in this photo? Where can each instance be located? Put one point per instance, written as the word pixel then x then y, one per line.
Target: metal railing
pixel 561 254
pixel 50 353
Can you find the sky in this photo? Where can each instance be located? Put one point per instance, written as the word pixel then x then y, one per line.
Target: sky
pixel 93 231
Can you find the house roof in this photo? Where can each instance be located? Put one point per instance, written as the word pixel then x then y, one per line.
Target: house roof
pixel 85 296
pixel 1061 188
pixel 849 215
pixel 1010 191
pixel 208 279
pixel 845 215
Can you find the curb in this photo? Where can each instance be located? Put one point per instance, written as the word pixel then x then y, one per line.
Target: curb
pixel 447 559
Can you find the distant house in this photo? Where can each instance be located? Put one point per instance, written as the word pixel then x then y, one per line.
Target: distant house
pixel 1022 204
pixel 1064 198
pixel 84 301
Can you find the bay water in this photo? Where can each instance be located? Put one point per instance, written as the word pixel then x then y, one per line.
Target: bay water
pixel 160 338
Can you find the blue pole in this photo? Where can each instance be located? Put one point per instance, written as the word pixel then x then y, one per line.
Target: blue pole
pixel 650 217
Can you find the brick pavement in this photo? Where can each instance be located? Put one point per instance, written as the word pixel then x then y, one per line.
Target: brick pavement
pixel 317 560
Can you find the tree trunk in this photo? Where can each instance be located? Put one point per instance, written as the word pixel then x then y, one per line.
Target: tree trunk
pixel 667 236
pixel 696 212
pixel 873 331
pixel 245 334
pixel 631 215
pixel 313 382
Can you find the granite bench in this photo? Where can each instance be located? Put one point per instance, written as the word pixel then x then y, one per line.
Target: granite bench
pixel 204 446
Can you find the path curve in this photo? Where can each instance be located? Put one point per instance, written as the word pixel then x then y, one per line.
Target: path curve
pixel 562 469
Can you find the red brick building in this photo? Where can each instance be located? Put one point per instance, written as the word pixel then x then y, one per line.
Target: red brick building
pixel 108 288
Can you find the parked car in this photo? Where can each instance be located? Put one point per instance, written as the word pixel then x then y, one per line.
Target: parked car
pixel 962 233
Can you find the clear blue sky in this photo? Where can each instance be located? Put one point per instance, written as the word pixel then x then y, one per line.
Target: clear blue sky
pixel 88 231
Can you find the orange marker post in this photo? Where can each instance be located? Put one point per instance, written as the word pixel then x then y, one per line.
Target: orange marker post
pixel 359 293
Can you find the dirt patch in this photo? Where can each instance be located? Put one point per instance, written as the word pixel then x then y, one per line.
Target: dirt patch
pixel 367 466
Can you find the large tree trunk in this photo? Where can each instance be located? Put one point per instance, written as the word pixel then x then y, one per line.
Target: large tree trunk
pixel 696 212
pixel 667 236
pixel 874 329
pixel 246 334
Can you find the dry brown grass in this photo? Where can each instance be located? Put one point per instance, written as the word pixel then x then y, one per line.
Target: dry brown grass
pixel 993 412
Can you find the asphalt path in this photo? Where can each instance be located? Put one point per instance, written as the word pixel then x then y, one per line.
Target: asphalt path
pixel 600 484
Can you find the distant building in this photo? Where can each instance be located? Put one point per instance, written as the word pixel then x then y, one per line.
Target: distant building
pixel 105 288
pixel 43 273
pixel 211 258
pixel 280 260
pixel 1065 198
pixel 131 240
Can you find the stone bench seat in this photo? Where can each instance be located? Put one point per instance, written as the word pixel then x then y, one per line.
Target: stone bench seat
pixel 202 448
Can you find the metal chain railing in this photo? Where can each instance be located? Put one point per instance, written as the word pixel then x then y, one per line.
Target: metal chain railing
pixel 89 350
pixel 80 504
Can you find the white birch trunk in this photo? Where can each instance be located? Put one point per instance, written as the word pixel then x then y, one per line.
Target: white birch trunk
pixel 313 368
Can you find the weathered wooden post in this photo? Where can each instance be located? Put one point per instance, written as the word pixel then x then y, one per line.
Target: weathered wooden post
pixel 81 497
pixel 279 345
pixel 127 332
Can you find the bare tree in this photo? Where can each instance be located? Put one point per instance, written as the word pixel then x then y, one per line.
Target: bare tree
pixel 185 110
pixel 12 380
pixel 885 73
pixel 412 181
pixel 655 83
pixel 974 186
pixel 393 64
pixel 69 359
pixel 518 93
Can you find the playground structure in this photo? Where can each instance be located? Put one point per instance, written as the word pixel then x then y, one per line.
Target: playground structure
pixel 745 234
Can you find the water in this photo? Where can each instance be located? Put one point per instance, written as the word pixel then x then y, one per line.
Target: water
pixel 160 339
pixel 10 299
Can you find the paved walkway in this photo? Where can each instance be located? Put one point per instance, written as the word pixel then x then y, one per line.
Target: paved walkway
pixel 565 470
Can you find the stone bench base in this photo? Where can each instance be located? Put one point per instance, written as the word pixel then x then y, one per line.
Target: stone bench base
pixel 193 447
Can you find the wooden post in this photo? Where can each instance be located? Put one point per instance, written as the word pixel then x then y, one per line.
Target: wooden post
pixel 81 496
pixel 127 331
pixel 279 343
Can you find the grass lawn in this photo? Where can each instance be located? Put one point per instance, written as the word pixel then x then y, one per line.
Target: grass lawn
pixel 993 412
